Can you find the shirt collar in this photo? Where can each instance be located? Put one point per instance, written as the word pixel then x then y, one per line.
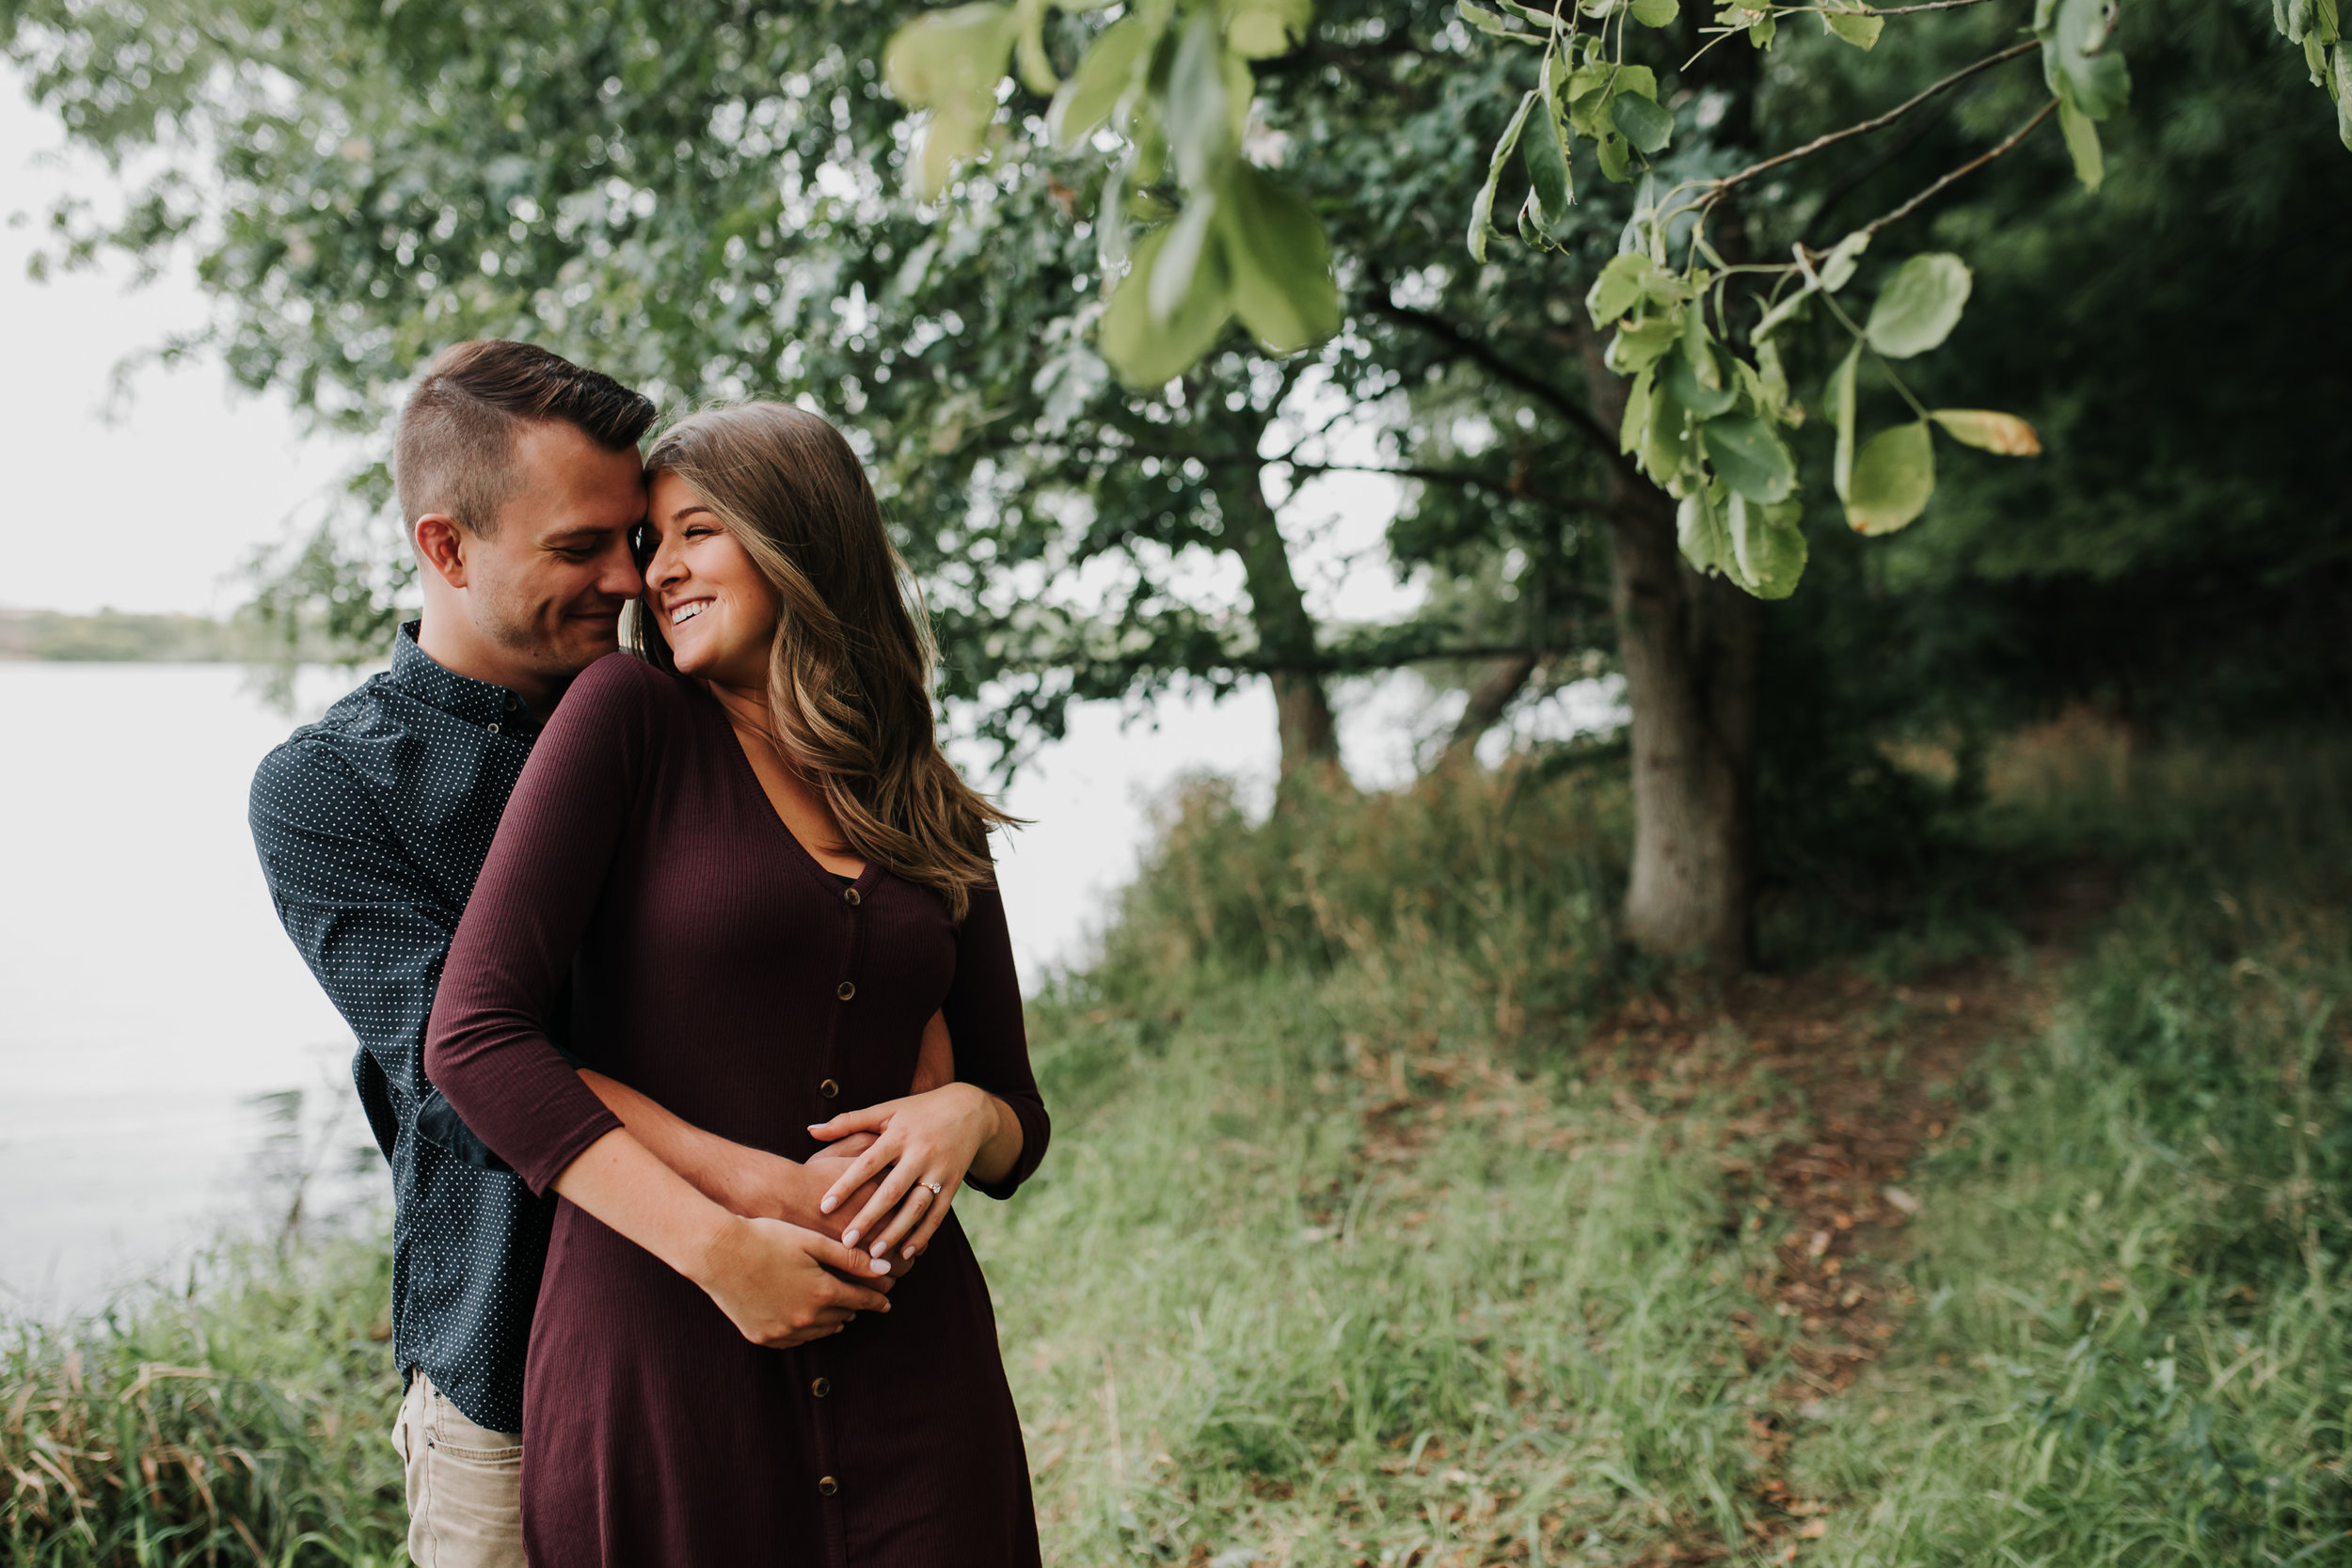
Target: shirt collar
pixel 415 673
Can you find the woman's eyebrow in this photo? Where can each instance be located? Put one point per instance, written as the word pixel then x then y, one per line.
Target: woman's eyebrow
pixel 685 512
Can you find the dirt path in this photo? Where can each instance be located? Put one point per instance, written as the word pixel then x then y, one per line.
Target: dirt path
pixel 1839 1082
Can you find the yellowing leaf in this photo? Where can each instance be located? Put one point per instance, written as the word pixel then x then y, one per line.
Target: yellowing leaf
pixel 1981 428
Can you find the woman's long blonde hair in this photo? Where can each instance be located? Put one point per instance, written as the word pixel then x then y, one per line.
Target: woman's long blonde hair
pixel 849 672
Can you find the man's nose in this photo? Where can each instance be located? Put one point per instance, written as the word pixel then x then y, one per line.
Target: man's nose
pixel 617 574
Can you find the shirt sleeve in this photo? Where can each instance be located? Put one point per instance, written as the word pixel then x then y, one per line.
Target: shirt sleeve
pixel 489 1046
pixel 983 1009
pixel 372 928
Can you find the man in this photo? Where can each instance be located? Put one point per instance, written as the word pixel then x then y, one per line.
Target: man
pixel 518 478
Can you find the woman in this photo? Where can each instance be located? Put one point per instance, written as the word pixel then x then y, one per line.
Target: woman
pixel 772 878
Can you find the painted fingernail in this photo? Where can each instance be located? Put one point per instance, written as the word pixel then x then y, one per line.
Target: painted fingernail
pixel 882 1265
pixel 906 1251
pixel 829 1205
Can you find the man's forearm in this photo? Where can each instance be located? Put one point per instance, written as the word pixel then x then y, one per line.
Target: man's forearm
pixel 744 1180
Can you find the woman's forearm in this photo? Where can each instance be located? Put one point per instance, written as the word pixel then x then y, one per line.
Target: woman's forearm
pixel 741 1179
pixel 619 1181
pixel 1001 1147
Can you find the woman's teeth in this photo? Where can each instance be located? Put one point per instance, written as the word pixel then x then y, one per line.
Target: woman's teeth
pixel 686 612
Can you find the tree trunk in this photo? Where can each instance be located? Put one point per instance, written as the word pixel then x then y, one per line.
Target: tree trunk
pixel 1286 633
pixel 1689 647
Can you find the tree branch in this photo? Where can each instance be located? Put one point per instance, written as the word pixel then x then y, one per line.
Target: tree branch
pixel 1481 354
pixel 1731 181
pixel 1511 489
pixel 1967 168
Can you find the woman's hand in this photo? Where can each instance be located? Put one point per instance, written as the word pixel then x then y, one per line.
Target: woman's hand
pixel 774 1282
pixel 926 1143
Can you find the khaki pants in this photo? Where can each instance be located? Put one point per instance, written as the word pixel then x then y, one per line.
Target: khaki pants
pixel 465 1485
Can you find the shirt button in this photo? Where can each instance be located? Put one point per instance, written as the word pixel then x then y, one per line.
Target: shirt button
pixel 494 728
pixel 822 1386
pixel 828 1089
pixel 844 990
pixel 827 1486
pixel 512 702
pixel 850 896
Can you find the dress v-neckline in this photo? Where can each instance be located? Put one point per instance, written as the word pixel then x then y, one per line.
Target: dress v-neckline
pixel 750 775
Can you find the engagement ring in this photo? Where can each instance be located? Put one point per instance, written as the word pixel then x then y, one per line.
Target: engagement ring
pixel 933 1185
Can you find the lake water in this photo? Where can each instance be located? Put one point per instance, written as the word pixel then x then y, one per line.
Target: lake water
pixel 167 1063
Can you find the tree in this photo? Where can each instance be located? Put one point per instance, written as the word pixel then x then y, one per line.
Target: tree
pixel 1708 393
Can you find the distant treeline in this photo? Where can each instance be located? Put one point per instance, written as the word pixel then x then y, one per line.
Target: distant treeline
pixel 115 637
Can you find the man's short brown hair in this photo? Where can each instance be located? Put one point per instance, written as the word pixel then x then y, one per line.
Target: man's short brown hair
pixel 454 447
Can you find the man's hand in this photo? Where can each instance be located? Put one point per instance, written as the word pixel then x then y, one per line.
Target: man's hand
pixel 783 1286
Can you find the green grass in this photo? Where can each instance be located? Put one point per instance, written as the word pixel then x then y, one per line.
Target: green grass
pixel 2137 1261
pixel 1339 1259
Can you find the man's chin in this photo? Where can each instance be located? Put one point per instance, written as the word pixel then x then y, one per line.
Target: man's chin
pixel 586 639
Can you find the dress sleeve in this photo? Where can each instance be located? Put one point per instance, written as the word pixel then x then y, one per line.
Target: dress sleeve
pixel 488 1048
pixel 983 1011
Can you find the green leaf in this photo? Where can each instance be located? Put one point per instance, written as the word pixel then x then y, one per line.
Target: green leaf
pixel 1622 284
pixel 1762 31
pixel 1197 120
pixel 1548 174
pixel 950 62
pixel 1840 401
pixel 1637 411
pixel 1482 208
pixel 1749 457
pixel 2343 56
pixel 1615 162
pixel 1701 533
pixel 1036 70
pixel 951 53
pixel 1279 263
pixel 1686 375
pixel 1647 126
pixel 1486 21
pixel 1640 344
pixel 1261 29
pixel 1838 267
pixel 1667 447
pixel 1171 277
pixel 1919 305
pixel 1655 13
pixel 1892 477
pixel 1780 314
pixel 2005 434
pixel 1767 545
pixel 1147 354
pixel 1857 28
pixel 1093 91
pixel 2082 140
pixel 2075 35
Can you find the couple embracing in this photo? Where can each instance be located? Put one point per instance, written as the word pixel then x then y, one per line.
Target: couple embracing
pixel 684 994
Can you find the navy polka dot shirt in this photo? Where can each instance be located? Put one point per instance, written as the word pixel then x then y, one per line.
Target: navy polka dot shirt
pixel 372 825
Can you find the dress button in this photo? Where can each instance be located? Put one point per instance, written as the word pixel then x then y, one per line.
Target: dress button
pixel 822 1386
pixel 850 896
pixel 827 1486
pixel 828 1089
pixel 512 702
pixel 494 728
pixel 844 990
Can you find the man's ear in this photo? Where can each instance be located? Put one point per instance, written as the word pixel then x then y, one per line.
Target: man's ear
pixel 441 541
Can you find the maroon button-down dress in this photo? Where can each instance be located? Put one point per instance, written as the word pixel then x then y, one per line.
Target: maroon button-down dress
pixel 714 965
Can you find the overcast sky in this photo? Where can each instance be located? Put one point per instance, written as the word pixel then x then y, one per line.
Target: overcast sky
pixel 155 510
